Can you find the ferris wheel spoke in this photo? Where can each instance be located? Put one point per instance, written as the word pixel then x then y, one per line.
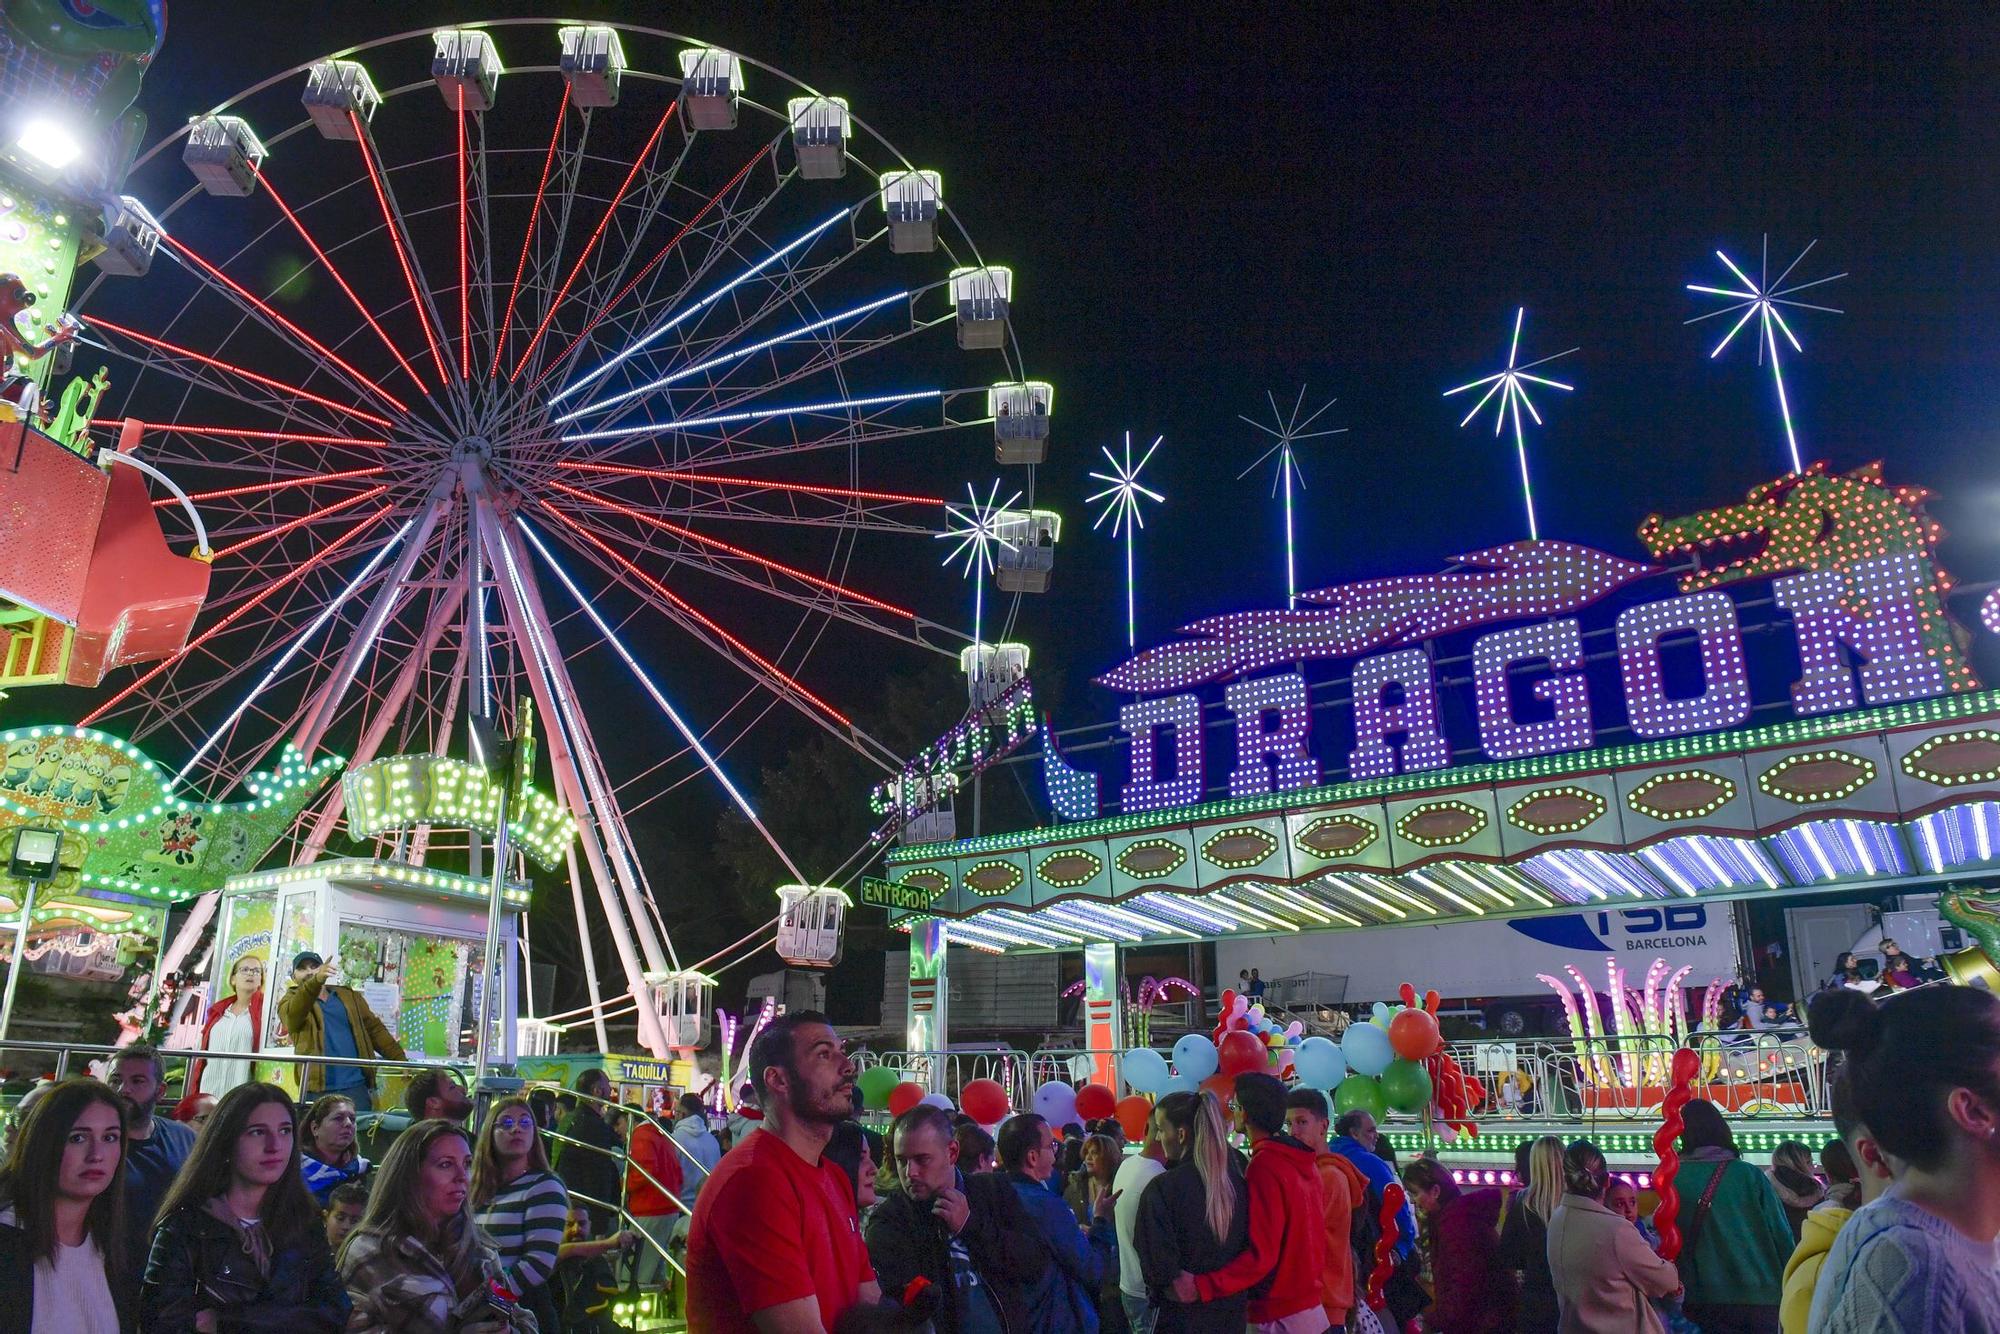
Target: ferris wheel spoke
pixel 237 613
pixel 676 301
pixel 555 302
pixel 671 247
pixel 406 257
pixel 319 515
pixel 502 330
pixel 285 329
pixel 484 277
pixel 178 354
pixel 698 448
pixel 263 488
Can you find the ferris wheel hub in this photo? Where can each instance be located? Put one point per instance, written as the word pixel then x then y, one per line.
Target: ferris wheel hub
pixel 472 448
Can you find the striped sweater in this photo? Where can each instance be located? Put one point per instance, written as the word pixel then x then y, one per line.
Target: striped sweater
pixel 524 1224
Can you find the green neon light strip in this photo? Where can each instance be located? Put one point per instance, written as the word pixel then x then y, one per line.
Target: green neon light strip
pixel 421 877
pixel 1945 708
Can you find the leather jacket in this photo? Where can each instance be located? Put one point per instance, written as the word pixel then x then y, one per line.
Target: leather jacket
pixel 198 1263
pixel 906 1241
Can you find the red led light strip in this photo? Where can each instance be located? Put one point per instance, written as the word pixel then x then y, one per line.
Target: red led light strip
pixel 301 334
pixel 603 222
pixel 99 322
pixel 293 525
pixel 534 217
pixel 259 487
pixel 396 235
pixel 640 516
pixel 683 605
pixel 327 260
pixel 237 432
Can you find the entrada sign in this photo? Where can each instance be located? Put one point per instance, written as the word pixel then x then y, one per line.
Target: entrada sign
pixel 1850 559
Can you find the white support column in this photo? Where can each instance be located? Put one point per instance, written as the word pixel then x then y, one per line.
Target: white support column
pixel 1103 1013
pixel 589 952
pixel 929 1027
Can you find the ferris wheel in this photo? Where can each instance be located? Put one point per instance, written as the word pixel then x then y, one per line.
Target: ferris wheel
pixel 475 369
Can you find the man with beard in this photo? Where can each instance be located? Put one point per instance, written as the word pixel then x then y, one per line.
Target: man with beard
pixel 776 1246
pixel 155 1147
pixel 590 1158
pixel 966 1236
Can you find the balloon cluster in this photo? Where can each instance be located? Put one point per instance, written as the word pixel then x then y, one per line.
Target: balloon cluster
pixel 1395 1061
pixel 882 1089
pixel 1246 1040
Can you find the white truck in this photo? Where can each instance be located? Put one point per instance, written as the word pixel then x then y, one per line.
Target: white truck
pixel 1488 969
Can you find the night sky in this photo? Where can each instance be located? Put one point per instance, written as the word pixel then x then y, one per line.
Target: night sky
pixel 1356 202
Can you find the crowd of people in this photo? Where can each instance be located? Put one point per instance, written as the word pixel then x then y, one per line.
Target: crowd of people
pixel 115 1218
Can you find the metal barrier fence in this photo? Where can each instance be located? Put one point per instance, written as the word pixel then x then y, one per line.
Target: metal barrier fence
pixel 1750 1073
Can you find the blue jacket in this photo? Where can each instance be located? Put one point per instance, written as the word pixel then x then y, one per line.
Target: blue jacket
pixel 1380 1175
pixel 1065 1301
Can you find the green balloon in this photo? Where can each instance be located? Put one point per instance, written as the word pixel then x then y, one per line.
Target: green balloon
pixel 1406 1086
pixel 1358 1093
pixel 876 1083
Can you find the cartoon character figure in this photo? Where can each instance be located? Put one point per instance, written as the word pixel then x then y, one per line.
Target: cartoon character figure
pixel 180 838
pixel 67 773
pixel 16 388
pixel 46 764
pixel 115 782
pixel 19 763
pixel 91 781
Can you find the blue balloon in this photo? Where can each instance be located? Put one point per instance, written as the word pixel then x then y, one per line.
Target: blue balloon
pixel 1179 1084
pixel 1145 1070
pixel 1195 1056
pixel 1055 1101
pixel 1319 1063
pixel 1367 1049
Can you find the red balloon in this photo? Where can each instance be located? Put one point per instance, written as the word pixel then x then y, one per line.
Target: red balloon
pixel 1242 1052
pixel 1221 1085
pixel 1133 1114
pixel 1413 1034
pixel 905 1096
pixel 984 1101
pixel 1094 1102
pixel 1431 1001
pixel 1408 993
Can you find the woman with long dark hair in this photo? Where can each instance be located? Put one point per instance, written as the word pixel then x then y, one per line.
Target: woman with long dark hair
pixel 417 1264
pixel 239 1244
pixel 519 1204
pixel 1474 1294
pixel 62 1202
pixel 1193 1217
pixel 1923 1072
pixel 1734 1235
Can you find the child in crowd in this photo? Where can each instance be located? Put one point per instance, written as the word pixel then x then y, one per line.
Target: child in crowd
pixel 343 1212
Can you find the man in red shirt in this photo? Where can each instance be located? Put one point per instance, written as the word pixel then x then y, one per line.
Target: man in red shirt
pixel 776 1244
pixel 1287 1246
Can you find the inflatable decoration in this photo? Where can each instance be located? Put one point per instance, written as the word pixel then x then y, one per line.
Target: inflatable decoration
pixel 1094 1102
pixel 1133 1113
pixel 1391 1219
pixel 1685 1066
pixel 876 1083
pixel 1055 1102
pixel 905 1096
pixel 984 1100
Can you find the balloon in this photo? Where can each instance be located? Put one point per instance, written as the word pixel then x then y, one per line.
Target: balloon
pixel 1406 1087
pixel 1195 1057
pixel 1319 1063
pixel 1241 1053
pixel 1414 1034
pixel 1094 1102
pixel 937 1100
pixel 1257 1013
pixel 1379 1013
pixel 875 1084
pixel 1360 1095
pixel 1133 1114
pixel 1431 1002
pixel 904 1096
pixel 1055 1102
pixel 1293 1029
pixel 1144 1069
pixel 1180 1084
pixel 1366 1048
pixel 1228 1002
pixel 1408 993
pixel 1222 1086
pixel 984 1101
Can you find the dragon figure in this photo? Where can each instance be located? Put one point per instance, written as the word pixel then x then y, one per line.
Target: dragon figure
pixel 1818 520
pixel 1977 913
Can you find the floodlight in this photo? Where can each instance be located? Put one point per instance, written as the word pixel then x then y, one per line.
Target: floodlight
pixel 49 143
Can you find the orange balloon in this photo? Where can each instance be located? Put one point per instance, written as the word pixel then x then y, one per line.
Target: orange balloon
pixel 1133 1114
pixel 1221 1085
pixel 1413 1034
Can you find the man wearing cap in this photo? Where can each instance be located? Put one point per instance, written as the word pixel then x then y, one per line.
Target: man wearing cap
pixel 328 1020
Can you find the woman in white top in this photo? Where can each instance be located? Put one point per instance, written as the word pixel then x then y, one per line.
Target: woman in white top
pixel 233 1025
pixel 62 1196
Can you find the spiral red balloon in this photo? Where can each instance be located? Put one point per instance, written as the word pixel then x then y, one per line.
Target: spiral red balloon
pixel 1391 1220
pixel 1665 1218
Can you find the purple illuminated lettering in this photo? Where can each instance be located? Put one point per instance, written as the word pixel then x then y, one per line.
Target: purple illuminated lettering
pixel 1888 635
pixel 1724 700
pixel 1558 643
pixel 1143 721
pixel 1273 757
pixel 1424 746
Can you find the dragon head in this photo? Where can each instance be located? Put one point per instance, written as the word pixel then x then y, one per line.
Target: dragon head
pixel 1977 913
pixel 82 29
pixel 1809 520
